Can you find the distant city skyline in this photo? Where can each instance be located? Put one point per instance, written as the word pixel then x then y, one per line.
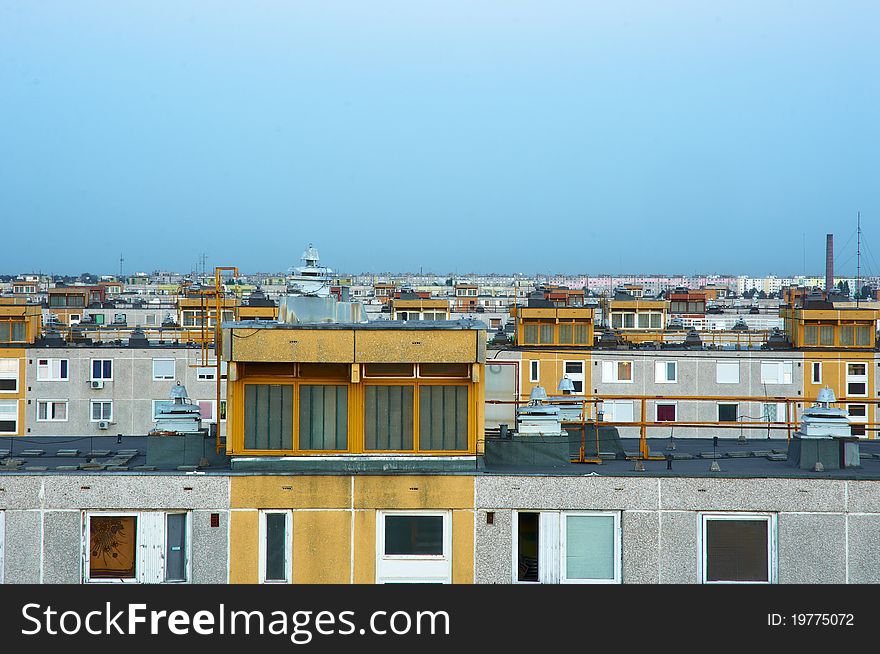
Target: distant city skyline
pixel 540 137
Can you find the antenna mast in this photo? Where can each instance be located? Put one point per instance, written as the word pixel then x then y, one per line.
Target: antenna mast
pixel 858 257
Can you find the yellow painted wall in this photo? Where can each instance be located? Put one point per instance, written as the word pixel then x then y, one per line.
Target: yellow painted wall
pixel 550 369
pixel 332 526
pixel 321 547
pixel 19 354
pixel 462 547
pixel 834 376
pixel 291 492
pixel 244 547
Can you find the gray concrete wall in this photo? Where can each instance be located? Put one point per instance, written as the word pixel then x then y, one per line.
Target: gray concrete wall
pixel 697 376
pixel 132 389
pixel 827 531
pixel 44 517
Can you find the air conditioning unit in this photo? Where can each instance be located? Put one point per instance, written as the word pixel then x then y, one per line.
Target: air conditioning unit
pixel 104 424
pixel 97 383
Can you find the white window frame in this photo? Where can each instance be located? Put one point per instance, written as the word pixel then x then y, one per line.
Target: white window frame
pixel 557 542
pixel 49 404
pixel 534 371
pixel 816 366
pixel 613 405
pixel 206 373
pixel 288 546
pixel 772 545
pixel 13 417
pixel 576 376
pixel 92 370
pixel 86 543
pixel 660 369
pixel 718 411
pixel 92 418
pixel 187 555
pixel 858 419
pixel 12 375
pixel 164 377
pixel 141 545
pixel 611 371
pixel 213 417
pixel 413 568
pixel 784 372
pixel 719 363
pixel 50 367
pixel 660 403
pixel 781 411
pixel 856 379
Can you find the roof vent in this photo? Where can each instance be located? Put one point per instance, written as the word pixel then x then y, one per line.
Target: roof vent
pixel 693 340
pixel 138 338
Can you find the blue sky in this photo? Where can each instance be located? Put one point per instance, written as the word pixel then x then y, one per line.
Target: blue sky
pixel 515 136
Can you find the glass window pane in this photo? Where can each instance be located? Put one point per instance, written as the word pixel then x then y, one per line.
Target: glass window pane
pixel 566 333
pixel 409 535
pixel 323 417
pixel 443 418
pixel 527 546
pixel 665 412
pixel 175 547
pixel 530 334
pixel 389 370
pixel 112 541
pixel 811 335
pixel 546 333
pixel 589 547
pixel 276 544
pixel 268 417
pixel 460 370
pixel 736 550
pixel 388 417
pixel 727 412
pixel 826 335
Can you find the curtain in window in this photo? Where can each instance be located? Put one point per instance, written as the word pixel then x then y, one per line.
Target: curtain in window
pixel 565 333
pixel 589 547
pixel 847 337
pixel 546 333
pixel 443 418
pixel 581 334
pixel 268 417
pixel 811 335
pixel 323 417
pixel 826 335
pixel 530 334
pixel 388 417
pixel 863 336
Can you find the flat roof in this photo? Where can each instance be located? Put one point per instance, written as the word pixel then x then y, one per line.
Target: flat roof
pixel 373 325
pixel 691 458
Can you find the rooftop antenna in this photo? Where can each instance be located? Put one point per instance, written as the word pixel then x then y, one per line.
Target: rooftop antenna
pixel 121 261
pixel 858 257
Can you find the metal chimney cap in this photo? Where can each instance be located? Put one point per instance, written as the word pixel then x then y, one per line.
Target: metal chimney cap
pixel 537 395
pixel 178 391
pixel 826 396
pixel 565 385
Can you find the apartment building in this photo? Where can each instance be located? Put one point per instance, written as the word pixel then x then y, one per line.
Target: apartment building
pixel 80 390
